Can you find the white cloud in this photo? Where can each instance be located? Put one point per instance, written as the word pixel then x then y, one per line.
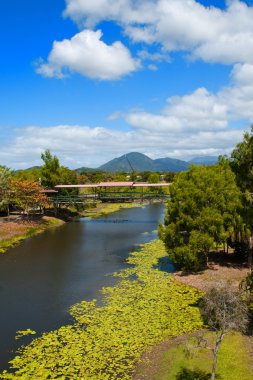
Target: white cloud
pixel 88 55
pixel 209 33
pixel 200 110
pixel 239 96
pixel 90 13
pixel 85 146
pixel 189 125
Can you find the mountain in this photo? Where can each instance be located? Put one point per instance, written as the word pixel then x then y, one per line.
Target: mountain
pixel 128 162
pixel 204 160
pixel 84 169
pixel 141 163
pixel 171 164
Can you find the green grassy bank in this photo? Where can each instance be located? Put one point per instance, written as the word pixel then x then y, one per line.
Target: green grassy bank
pixel 11 233
pixel 103 209
pixel 185 361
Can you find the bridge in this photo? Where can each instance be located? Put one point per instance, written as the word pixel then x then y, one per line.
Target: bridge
pixel 105 192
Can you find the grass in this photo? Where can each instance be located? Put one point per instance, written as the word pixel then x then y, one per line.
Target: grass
pixel 233 360
pixel 108 208
pixel 12 233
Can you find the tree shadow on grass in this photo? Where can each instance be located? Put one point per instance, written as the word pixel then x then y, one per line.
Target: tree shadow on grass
pixel 188 374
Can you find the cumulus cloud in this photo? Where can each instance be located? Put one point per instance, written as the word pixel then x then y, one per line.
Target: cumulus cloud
pixel 88 55
pixel 200 110
pixel 194 124
pixel 88 14
pixel 209 33
pixel 239 96
pixel 85 146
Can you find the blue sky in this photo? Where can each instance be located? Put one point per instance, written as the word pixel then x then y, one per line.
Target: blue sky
pixel 94 80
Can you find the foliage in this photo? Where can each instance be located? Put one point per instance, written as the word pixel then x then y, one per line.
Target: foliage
pixel 247 286
pixel 146 307
pixel 5 176
pixel 31 174
pixel 242 161
pixel 50 171
pixel 247 283
pixel 22 333
pixel 242 165
pixel 201 214
pixel 153 178
pixel 52 174
pixel 27 195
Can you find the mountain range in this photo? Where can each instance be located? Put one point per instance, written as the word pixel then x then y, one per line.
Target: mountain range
pixel 139 162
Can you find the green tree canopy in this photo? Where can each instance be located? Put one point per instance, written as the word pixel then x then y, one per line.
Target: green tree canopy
pixel 202 212
pixel 5 176
pixel 50 171
pixel 242 162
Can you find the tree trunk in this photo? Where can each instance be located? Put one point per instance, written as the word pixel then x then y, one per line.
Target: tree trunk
pixel 215 353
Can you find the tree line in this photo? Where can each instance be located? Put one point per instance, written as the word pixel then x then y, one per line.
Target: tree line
pixel 23 188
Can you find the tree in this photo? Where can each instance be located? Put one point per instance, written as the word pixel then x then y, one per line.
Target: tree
pixel 242 166
pixel 242 161
pixel 27 195
pixel 153 178
pixel 32 174
pixel 223 310
pixel 201 214
pixel 50 171
pixel 5 176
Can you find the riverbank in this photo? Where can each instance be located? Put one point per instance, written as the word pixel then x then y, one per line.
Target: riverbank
pixel 182 359
pixel 13 232
pixel 102 209
pixel 143 309
pixel 169 360
pixel 214 274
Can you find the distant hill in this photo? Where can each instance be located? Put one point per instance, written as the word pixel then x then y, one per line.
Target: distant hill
pixel 171 164
pixel 28 169
pixel 84 169
pixel 204 160
pixel 138 161
pixel 141 163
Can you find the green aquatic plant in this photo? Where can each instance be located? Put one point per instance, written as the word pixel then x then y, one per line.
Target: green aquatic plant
pixel 105 342
pixel 21 333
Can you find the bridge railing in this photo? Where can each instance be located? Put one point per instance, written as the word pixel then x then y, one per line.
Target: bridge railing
pixel 107 196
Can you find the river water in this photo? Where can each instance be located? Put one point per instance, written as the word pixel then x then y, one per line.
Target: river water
pixel 45 275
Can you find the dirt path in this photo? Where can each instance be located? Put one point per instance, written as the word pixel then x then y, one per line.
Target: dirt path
pixel 215 273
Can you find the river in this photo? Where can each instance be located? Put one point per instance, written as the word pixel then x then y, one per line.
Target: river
pixel 45 275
